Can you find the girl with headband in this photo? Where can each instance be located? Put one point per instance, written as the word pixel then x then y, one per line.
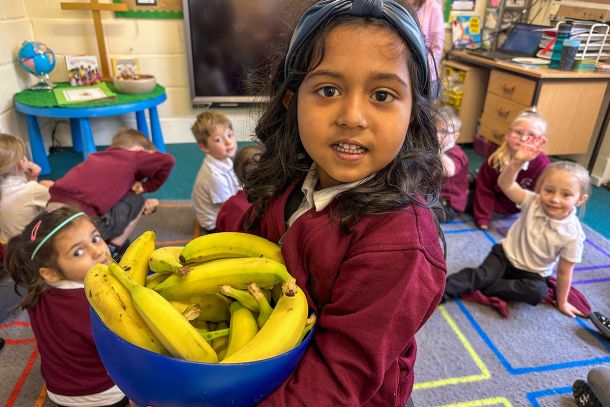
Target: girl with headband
pixel 50 259
pixel 350 167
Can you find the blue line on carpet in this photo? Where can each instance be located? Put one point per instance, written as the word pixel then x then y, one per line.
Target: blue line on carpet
pixel 599 249
pixel 523 370
pixel 533 395
pixel 489 237
pixel 449 232
pixel 595 280
pixel 601 339
pixel 587 268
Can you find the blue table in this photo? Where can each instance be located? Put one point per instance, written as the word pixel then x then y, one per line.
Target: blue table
pixel 82 137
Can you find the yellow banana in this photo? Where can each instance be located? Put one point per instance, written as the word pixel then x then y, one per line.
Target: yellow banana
pixel 242 296
pixel 264 309
pixel 178 336
pixel 225 245
pixel 219 343
pixel 282 330
pixel 207 277
pixel 209 336
pixel 135 258
pixel 214 307
pixel 166 260
pixel 309 323
pixel 242 328
pixel 155 278
pixel 112 303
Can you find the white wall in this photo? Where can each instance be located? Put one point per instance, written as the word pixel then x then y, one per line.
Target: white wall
pixel 159 44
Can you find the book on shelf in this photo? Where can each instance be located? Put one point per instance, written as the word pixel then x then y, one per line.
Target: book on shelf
pixel 73 96
pixel 83 70
pixel 126 67
pixel 466 32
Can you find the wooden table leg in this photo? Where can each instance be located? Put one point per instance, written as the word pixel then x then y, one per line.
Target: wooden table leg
pixel 157 133
pixel 141 121
pixel 77 141
pixel 39 154
pixel 86 137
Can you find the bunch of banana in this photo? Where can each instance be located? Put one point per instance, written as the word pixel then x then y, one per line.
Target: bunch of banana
pixel 178 336
pixel 243 327
pixel 166 260
pixel 225 245
pixel 135 258
pixel 281 332
pixel 112 303
pixel 205 278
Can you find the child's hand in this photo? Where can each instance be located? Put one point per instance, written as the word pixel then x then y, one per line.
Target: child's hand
pixel 150 206
pixel 30 169
pixel 529 150
pixel 137 188
pixel 570 310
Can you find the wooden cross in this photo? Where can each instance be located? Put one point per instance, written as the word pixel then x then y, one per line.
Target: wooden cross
pixel 96 9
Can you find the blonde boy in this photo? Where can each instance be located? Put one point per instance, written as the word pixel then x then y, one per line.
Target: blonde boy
pixel 216 181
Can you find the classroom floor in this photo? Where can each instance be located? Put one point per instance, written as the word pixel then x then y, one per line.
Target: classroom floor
pixel 188 159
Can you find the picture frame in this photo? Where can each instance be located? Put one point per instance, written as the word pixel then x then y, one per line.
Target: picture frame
pixel 130 65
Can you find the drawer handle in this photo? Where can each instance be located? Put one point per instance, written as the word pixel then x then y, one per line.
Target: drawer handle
pixel 508 89
pixel 502 112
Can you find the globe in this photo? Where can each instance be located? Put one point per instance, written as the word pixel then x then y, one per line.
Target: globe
pixel 39 60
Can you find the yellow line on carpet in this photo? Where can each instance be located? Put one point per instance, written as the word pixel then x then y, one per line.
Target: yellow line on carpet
pixel 42 397
pixel 473 354
pixel 483 402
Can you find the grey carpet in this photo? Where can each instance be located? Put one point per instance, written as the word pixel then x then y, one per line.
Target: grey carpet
pixel 468 355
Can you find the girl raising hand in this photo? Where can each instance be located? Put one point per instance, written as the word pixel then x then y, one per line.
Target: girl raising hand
pixel 50 259
pixel 350 162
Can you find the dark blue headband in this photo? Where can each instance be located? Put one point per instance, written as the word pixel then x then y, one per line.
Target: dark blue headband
pixel 388 10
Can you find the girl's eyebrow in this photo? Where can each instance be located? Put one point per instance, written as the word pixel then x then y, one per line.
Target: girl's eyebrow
pixel 375 76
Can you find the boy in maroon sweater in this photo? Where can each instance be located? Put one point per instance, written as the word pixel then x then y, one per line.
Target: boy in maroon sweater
pixel 109 184
pixel 454 190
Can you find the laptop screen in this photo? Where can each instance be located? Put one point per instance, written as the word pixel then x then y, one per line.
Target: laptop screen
pixel 524 39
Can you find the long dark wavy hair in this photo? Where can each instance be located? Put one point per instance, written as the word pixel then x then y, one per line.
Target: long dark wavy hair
pixel 413 177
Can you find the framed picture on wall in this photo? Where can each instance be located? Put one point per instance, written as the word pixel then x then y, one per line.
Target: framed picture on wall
pixel 125 66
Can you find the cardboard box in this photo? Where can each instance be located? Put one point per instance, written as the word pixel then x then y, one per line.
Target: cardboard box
pixel 585 10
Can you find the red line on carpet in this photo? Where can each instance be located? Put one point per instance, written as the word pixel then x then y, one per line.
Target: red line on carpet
pixel 15 323
pixel 19 341
pixel 24 375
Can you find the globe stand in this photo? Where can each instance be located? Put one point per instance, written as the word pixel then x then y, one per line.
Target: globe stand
pixel 43 84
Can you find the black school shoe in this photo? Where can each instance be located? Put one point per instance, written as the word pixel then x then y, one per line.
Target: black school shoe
pixel 583 395
pixel 601 322
pixel 2 343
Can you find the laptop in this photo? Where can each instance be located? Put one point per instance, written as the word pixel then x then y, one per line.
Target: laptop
pixel 522 41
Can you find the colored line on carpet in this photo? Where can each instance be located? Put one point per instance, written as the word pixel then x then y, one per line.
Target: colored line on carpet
pixel 22 378
pixel 524 370
pixel 42 397
pixel 469 348
pixel 480 403
pixel 535 395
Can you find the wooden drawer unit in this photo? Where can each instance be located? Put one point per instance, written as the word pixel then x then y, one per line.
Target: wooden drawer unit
pixel 492 129
pixel 501 109
pixel 511 87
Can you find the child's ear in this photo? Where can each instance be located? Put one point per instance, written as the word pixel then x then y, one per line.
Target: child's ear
pixel 288 98
pixel 49 275
pixel 583 198
pixel 204 148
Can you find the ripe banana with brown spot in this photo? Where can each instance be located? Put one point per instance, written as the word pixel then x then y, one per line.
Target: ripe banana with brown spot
pixel 242 328
pixel 225 245
pixel 205 278
pixel 112 303
pixel 166 260
pixel 176 334
pixel 282 330
pixel 135 258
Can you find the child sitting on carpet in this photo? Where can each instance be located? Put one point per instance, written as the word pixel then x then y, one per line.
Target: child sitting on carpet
pixel 351 154
pixel 216 181
pixel 454 191
pixel 547 233
pixel 234 207
pixel 50 259
pixel 22 197
pixel 487 197
pixel 109 184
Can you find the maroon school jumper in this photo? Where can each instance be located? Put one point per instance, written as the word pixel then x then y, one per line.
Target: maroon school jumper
pixel 489 198
pixel 455 189
pixel 105 177
pixel 371 290
pixel 69 361
pixel 231 212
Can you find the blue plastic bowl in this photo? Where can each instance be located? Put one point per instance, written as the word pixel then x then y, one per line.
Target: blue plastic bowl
pixel 151 379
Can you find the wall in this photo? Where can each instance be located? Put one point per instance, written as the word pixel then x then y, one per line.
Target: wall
pixel 160 46
pixel 14 28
